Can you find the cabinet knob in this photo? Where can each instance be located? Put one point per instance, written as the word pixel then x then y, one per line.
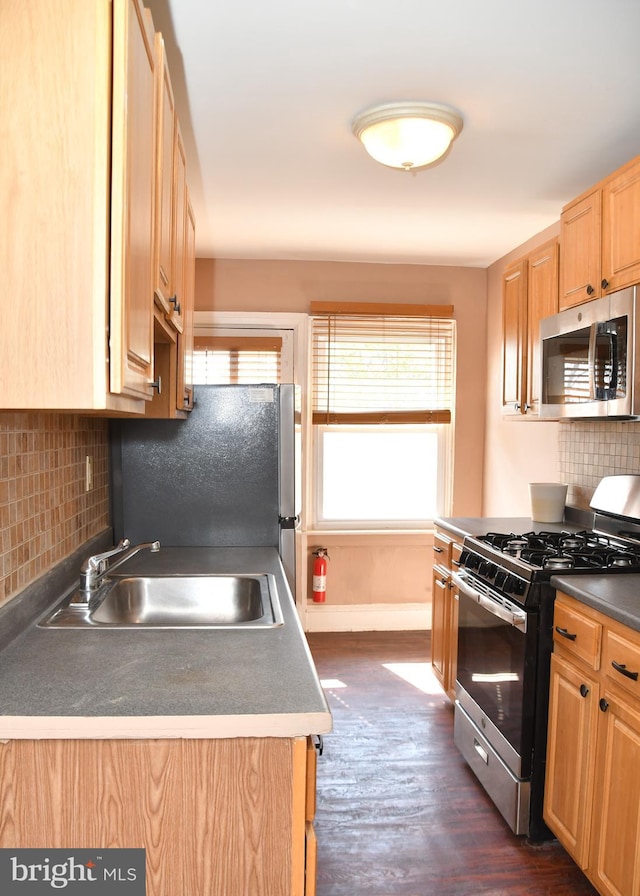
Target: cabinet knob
pixel 590 289
pixel 603 704
pixel 516 406
pixel 605 284
pixel 584 690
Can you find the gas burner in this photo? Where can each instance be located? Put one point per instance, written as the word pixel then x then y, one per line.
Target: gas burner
pixel 559 561
pixel 623 560
pixel 515 546
pixel 572 542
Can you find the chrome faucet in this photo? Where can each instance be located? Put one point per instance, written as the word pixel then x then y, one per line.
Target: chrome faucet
pixel 95 568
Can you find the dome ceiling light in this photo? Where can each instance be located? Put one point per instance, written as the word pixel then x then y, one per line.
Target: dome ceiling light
pixel 409 135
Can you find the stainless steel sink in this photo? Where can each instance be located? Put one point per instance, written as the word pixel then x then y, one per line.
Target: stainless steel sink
pixel 190 601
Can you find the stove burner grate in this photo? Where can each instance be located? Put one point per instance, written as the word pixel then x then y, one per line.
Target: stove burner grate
pixel 565 550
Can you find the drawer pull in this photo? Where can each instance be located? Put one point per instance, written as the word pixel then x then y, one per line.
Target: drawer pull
pixel 482 753
pixel 437 550
pixel 584 690
pixel 622 669
pixel 566 634
pixel 603 704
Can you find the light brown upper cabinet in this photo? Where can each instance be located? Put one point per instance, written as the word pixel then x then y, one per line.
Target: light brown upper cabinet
pixel 173 368
pixel 77 188
pixel 164 229
pixel 171 180
pixel 600 238
pixel 529 293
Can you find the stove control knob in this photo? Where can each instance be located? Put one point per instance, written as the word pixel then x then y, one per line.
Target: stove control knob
pixel 514 585
pixel 501 578
pixel 493 571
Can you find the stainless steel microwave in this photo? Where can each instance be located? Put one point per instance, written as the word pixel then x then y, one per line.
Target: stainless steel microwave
pixel 588 359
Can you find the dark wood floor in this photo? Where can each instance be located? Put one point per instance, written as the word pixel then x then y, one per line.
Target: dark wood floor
pixel 399 812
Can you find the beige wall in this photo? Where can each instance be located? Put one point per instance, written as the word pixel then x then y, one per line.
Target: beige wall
pixel 364 569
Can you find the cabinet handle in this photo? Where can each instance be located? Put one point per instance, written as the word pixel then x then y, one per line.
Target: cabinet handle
pixel 590 289
pixel 437 550
pixel 566 634
pixel 157 385
pixel 584 690
pixel 622 669
pixel 605 284
pixel 318 743
pixel 516 406
pixel 604 706
pixel 176 304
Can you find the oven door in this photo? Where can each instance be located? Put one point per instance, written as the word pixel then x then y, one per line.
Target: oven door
pixel 497 655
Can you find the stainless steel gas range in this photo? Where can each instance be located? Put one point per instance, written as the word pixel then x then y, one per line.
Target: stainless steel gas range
pixel 505 641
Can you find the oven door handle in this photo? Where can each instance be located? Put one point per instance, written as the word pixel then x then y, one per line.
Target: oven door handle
pixel 516 618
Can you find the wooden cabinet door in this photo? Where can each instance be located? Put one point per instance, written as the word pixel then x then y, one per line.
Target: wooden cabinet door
pixel 179 223
pixel 571 743
pixel 165 141
pixel 185 339
pixel 451 671
pixel 514 322
pixel 132 200
pixel 580 250
pixel 621 229
pixel 542 301
pixel 439 600
pixel 615 849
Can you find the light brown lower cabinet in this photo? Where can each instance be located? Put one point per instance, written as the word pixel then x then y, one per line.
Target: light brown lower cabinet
pixel 227 817
pixel 444 612
pixel 592 792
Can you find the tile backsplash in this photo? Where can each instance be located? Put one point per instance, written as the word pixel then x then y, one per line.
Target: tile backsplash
pixel 45 511
pixel 589 451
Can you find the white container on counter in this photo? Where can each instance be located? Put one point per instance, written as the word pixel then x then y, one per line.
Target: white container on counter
pixel 547 501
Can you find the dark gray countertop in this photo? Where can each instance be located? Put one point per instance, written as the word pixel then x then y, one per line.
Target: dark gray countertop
pixel 617 595
pixel 169 683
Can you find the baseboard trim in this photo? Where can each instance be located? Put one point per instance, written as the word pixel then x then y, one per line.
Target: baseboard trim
pixel 367 617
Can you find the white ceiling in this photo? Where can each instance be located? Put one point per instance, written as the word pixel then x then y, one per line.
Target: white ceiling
pixel 266 89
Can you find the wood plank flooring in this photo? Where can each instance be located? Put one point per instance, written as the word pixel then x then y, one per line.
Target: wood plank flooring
pixel 399 812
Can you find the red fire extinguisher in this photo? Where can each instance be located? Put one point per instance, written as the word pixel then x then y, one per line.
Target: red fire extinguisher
pixel 320 575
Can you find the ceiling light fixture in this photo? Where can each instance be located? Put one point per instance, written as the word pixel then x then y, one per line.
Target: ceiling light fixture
pixel 407 135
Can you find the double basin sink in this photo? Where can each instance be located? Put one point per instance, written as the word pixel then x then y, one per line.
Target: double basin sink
pixel 174 601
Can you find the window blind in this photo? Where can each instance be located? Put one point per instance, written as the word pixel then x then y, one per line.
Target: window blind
pixel 219 360
pixel 370 369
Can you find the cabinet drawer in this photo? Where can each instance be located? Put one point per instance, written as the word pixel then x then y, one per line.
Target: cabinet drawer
pixel 578 634
pixel 621 661
pixel 441 549
pixel 456 553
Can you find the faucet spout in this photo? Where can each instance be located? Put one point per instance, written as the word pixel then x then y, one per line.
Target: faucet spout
pixel 95 568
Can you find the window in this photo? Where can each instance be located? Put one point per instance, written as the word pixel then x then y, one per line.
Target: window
pixel 243 359
pixel 383 393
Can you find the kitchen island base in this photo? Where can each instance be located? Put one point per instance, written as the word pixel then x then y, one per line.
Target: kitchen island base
pixel 217 817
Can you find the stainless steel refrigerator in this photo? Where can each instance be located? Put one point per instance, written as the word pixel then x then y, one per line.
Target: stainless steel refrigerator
pixel 224 477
